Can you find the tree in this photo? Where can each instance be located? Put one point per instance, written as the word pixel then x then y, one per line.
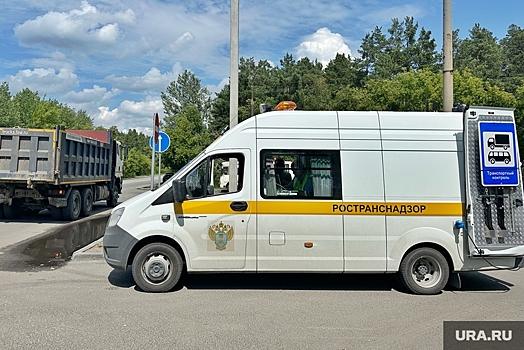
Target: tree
pixel 137 164
pixel 25 103
pixel 188 139
pixel 7 117
pixel 402 51
pixel 219 120
pixel 512 47
pixel 184 92
pixel 481 54
pixel 342 72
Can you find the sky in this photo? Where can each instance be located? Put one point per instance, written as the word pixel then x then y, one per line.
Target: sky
pixel 113 58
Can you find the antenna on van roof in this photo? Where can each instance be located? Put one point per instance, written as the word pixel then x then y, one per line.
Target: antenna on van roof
pixel 459 107
pixel 264 107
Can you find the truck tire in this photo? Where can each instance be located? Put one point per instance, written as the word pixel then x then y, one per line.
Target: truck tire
pixel 157 268
pixel 87 201
pixel 424 271
pixel 2 211
pixel 12 212
pixel 112 200
pixel 56 213
pixel 74 206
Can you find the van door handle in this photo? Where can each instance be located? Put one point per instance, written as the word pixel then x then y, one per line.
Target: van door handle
pixel 238 206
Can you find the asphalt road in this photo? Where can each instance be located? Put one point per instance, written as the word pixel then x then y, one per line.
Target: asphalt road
pixel 85 304
pixel 88 305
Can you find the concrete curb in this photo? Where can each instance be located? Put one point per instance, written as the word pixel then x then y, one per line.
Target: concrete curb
pixel 84 254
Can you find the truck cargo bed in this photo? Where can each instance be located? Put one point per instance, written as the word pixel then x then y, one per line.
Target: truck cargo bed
pixel 52 156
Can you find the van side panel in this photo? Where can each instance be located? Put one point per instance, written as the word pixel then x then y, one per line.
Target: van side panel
pixel 423 168
pixel 363 184
pixel 293 234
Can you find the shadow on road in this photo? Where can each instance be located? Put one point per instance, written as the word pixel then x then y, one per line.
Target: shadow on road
pixel 52 249
pixel 471 282
pixel 44 216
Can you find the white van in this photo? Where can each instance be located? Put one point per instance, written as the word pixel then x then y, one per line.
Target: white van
pixel 372 192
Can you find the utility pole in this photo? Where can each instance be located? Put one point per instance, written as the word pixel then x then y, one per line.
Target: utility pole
pixel 233 86
pixel 447 71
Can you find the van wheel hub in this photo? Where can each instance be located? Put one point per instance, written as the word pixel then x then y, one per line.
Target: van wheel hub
pixel 156 268
pixel 422 270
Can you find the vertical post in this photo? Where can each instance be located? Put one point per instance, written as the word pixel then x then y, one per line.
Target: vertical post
pixel 447 71
pixel 153 155
pixel 233 96
pixel 159 159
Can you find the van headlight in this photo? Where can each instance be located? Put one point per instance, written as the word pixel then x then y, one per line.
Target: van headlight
pixel 115 217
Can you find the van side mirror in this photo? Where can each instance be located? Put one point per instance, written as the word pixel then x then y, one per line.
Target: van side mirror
pixel 179 190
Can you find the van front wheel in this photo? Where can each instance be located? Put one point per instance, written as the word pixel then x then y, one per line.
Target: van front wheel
pixel 157 267
pixel 424 271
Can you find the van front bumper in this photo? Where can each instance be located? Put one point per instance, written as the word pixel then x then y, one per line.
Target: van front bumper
pixel 117 244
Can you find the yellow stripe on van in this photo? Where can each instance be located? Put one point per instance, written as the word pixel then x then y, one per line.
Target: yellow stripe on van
pixel 198 207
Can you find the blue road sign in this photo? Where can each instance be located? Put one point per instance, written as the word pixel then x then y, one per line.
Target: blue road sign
pixel 498 154
pixel 163 142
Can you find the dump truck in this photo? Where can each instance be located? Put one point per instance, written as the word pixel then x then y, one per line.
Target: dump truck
pixel 65 171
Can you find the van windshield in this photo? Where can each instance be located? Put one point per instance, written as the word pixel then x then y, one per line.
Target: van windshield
pixel 187 164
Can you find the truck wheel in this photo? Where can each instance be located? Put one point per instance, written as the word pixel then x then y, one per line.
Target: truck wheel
pixel 424 271
pixel 74 205
pixel 112 200
pixel 56 213
pixel 12 211
pixel 157 267
pixel 87 201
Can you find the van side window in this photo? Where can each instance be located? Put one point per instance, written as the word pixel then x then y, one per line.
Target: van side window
pixel 212 176
pixel 292 174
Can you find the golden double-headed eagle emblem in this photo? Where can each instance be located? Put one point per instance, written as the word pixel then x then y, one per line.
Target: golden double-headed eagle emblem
pixel 221 234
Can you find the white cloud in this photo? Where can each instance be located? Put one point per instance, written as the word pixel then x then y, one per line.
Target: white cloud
pixel 152 81
pixel 215 89
pixel 182 42
pixel 84 28
pixel 89 99
pixel 97 93
pixel 131 114
pixel 323 45
pixel 46 80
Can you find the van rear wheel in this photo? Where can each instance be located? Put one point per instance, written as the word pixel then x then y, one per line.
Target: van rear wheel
pixel 157 267
pixel 424 271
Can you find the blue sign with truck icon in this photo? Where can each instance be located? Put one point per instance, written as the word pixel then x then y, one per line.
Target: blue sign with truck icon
pixel 498 154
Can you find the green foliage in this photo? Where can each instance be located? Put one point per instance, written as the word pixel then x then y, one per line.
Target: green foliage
pixel 513 54
pixel 26 109
pixel 401 51
pixel 188 139
pixel 25 103
pixel 184 92
pixel 7 116
pixel 137 164
pixel 481 54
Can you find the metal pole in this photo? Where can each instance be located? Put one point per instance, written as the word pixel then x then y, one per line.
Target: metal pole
pixel 233 96
pixel 153 156
pixel 159 159
pixel 447 71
